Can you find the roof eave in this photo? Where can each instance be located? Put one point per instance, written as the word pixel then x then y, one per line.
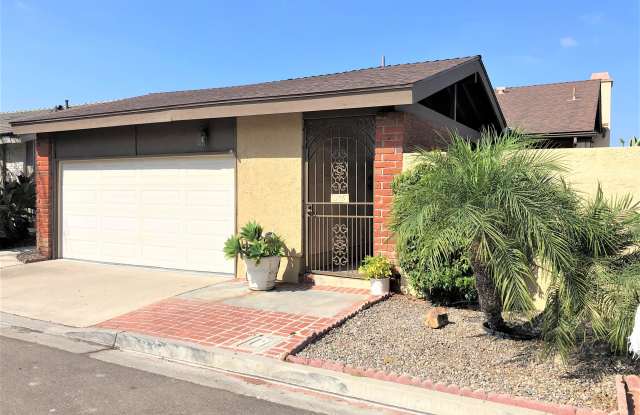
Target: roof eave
pixel 588 133
pixel 361 98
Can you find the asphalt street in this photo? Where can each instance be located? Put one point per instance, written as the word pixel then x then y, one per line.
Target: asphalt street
pixel 36 379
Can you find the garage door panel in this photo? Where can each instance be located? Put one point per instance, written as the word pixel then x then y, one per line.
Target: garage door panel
pixel 79 248
pixel 206 227
pixel 82 196
pixel 164 256
pixel 118 196
pixel 159 227
pixel 118 250
pixel 118 210
pixel 162 212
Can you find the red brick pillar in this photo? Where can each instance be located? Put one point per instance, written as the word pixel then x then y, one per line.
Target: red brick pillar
pixel 390 137
pixel 44 236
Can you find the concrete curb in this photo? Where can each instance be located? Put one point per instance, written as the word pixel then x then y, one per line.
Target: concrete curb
pixel 355 386
pixel 545 407
pixel 389 389
pixel 102 337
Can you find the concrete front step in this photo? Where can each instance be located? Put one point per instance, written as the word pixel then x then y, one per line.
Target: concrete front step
pixel 333 281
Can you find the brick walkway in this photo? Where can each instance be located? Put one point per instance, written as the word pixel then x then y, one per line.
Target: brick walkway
pixel 214 323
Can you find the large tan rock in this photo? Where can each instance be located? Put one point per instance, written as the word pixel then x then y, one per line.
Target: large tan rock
pixel 436 318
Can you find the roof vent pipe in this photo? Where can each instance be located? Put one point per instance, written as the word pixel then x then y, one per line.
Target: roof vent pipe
pixel 66 103
pixel 382 63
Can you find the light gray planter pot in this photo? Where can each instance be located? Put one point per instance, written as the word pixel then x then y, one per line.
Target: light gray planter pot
pixel 380 286
pixel 262 276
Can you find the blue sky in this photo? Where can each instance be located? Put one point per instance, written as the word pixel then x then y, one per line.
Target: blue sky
pixel 90 51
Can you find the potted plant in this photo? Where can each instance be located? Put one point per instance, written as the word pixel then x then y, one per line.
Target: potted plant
pixel 378 270
pixel 261 253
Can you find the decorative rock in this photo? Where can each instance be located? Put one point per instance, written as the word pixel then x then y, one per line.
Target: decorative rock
pixel 436 318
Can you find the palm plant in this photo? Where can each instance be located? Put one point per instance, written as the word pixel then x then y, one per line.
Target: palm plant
pixel 507 207
pixel 607 256
pixel 509 211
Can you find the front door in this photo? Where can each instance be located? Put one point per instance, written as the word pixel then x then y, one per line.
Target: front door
pixel 339 193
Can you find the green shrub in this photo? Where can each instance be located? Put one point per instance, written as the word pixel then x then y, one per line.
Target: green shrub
pixel 449 284
pixel 17 210
pixel 375 267
pixel 253 244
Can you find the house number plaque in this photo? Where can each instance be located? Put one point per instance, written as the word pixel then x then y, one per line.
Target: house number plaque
pixel 339 197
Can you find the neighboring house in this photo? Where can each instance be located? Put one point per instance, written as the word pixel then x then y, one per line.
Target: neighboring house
pixel 17 152
pixel 163 179
pixel 568 114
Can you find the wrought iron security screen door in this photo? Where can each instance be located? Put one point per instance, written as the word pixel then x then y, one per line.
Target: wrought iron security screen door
pixel 339 193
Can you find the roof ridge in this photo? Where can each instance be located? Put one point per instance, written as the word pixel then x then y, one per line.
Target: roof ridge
pixel 317 76
pixel 53 108
pixel 29 110
pixel 550 83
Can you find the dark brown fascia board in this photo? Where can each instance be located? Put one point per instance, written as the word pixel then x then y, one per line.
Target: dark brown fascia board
pixel 219 103
pixel 564 134
pixel 441 80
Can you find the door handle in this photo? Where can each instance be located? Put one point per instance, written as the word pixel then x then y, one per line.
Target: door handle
pixel 309 210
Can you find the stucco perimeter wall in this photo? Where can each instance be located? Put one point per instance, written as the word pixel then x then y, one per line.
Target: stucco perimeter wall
pixel 269 181
pixel 617 169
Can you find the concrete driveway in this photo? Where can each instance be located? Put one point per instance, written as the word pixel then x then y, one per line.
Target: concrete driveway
pixel 9 257
pixel 82 294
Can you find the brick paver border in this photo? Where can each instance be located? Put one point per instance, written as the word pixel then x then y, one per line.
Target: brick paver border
pixel 552 408
pixel 227 326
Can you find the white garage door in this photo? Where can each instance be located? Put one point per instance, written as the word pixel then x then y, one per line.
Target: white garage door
pixel 162 212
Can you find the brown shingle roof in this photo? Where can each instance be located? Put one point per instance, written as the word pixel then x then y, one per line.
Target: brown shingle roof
pixel 7 117
pixel 549 108
pixel 378 78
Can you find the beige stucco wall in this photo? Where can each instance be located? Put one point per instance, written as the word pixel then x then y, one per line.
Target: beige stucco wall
pixel 269 181
pixel 617 169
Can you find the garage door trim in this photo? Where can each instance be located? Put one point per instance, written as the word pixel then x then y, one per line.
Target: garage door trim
pixel 57 225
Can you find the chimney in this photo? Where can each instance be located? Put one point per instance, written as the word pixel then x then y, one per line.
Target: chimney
pixel 606 84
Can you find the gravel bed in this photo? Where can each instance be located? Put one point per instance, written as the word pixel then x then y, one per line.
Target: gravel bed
pixel 391 336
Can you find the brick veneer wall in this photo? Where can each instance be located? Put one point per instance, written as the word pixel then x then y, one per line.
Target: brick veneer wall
pixel 44 236
pixel 390 136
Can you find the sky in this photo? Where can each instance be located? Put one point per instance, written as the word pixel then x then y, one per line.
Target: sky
pixel 88 51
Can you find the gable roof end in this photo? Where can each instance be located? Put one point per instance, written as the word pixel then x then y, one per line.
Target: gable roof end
pixel 567 107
